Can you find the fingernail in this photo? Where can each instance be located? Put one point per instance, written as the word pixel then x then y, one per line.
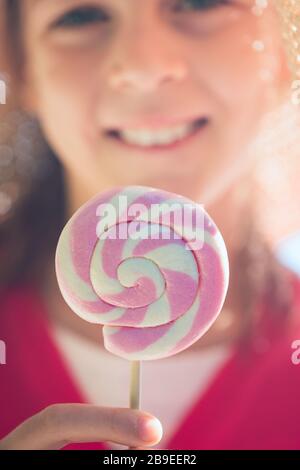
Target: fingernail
pixel 150 430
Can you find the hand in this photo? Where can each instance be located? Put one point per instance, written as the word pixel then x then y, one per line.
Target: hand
pixel 62 424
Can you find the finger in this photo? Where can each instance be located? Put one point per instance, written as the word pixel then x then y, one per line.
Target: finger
pixel 59 425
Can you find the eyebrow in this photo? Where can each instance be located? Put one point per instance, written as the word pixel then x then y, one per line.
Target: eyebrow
pixel 50 2
pixel 35 2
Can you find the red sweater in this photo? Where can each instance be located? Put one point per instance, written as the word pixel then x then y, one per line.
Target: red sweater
pixel 253 403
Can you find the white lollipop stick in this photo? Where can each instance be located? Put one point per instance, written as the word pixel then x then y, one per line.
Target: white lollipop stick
pixel 135 387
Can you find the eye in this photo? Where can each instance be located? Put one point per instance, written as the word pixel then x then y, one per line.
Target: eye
pixel 80 17
pixel 191 5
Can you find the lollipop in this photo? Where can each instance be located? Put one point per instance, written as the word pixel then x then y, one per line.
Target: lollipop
pixel 149 265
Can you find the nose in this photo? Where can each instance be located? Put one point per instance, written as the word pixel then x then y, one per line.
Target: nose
pixel 145 60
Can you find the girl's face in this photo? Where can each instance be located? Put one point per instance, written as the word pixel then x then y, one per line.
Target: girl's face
pixel 162 93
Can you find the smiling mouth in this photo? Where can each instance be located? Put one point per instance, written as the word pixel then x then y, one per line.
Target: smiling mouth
pixel 164 137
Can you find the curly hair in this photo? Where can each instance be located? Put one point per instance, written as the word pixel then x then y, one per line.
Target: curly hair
pixel 34 179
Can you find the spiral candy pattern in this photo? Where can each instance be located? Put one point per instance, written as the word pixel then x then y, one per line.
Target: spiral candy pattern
pixel 154 290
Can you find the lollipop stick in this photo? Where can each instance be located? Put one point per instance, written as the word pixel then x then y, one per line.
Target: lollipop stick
pixel 135 387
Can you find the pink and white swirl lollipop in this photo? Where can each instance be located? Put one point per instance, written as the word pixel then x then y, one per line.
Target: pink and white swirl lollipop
pixel 149 265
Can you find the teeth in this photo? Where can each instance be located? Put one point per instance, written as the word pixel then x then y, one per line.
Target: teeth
pixel 147 138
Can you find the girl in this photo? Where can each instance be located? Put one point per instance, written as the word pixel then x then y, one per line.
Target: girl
pixel 164 93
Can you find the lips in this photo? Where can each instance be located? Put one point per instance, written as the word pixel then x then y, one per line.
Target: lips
pixel 157 137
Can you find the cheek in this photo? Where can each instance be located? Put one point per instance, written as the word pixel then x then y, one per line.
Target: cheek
pixel 237 73
pixel 66 97
pixel 233 71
